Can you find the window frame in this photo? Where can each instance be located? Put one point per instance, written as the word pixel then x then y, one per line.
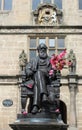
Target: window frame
pixel 41 2
pixel 2 6
pixel 55 49
pixel 58 6
pixel 79 5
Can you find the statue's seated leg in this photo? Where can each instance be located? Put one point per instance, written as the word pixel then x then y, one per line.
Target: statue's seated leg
pixel 26 93
pixel 23 104
pixel 42 80
pixel 23 99
pixel 40 91
pixel 35 101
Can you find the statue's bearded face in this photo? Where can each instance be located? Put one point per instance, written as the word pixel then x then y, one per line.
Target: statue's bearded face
pixel 42 53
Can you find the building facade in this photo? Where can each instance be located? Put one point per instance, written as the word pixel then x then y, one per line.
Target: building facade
pixel 23 25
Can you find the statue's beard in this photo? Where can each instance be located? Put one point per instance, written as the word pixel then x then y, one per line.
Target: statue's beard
pixel 43 55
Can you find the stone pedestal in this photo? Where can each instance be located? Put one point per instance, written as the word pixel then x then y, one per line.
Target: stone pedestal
pixel 40 121
pixel 73 128
pixel 37 126
pixel 72 79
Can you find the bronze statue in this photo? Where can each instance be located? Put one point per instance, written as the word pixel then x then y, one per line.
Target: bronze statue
pixel 41 83
pixel 72 59
pixel 22 60
pixel 44 87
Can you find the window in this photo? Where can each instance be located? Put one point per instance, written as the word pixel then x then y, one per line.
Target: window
pixel 80 4
pixel 54 44
pixel 35 3
pixel 32 43
pixel 46 1
pixel 60 43
pixel 58 3
pixel 51 42
pixel 42 40
pixel 5 5
pixel 0 4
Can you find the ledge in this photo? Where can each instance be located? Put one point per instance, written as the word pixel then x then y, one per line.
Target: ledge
pixel 45 30
pixel 41 27
pixel 16 80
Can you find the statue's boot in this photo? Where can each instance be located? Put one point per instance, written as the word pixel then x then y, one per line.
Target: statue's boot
pixel 34 110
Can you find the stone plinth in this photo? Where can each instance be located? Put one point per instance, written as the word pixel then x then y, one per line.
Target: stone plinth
pixel 73 87
pixel 73 128
pixel 37 126
pixel 38 122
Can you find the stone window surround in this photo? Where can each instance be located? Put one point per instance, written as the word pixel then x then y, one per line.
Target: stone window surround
pixel 54 49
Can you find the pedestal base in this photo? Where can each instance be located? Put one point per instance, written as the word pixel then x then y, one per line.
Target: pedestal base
pixel 40 121
pixel 73 128
pixel 38 126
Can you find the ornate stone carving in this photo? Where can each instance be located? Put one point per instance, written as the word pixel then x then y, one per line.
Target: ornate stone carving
pixel 22 60
pixel 72 58
pixel 47 14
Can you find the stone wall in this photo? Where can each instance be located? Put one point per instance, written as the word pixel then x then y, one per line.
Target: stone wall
pixel 11 46
pixel 22 13
pixel 8 114
pixel 15 38
pixel 19 15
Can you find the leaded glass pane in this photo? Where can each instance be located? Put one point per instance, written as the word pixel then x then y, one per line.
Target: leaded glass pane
pixel 58 3
pixel 46 1
pixel 0 4
pixel 51 42
pixel 32 54
pixel 32 43
pixel 42 41
pixel 51 52
pixel 60 43
pixel 35 4
pixel 80 4
pixel 7 4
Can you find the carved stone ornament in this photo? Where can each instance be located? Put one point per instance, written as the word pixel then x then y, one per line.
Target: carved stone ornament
pixel 72 58
pixel 7 102
pixel 47 14
pixel 22 60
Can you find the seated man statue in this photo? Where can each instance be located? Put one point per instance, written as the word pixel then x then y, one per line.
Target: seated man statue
pixel 38 69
